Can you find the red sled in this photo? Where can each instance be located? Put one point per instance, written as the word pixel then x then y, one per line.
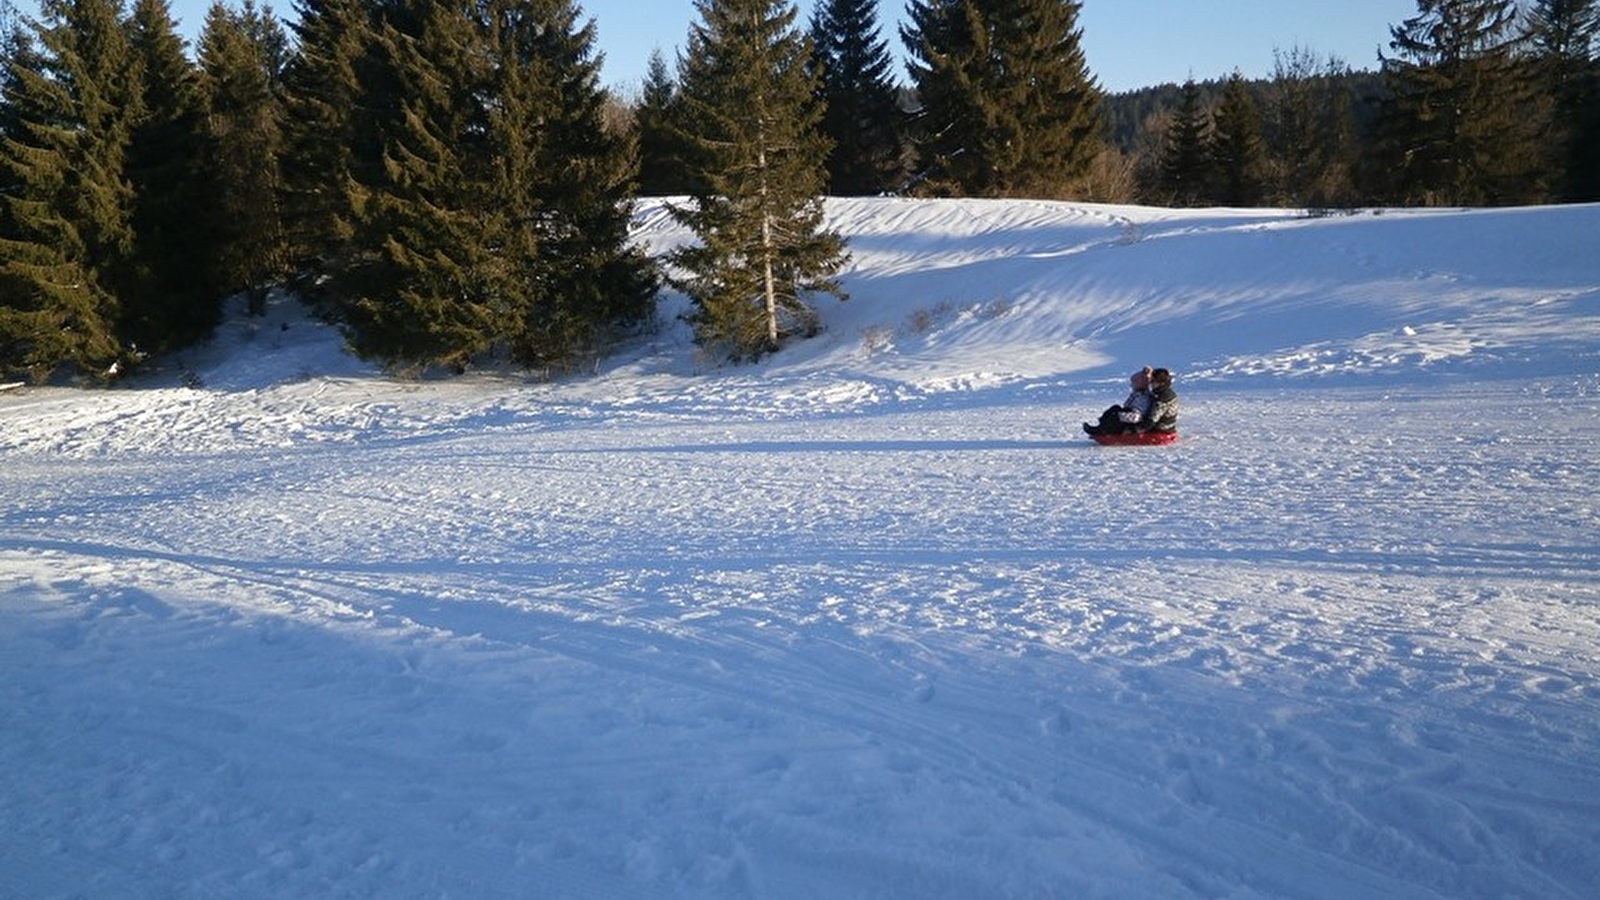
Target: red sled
pixel 1135 439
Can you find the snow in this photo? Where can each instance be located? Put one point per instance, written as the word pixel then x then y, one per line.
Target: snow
pixel 869 619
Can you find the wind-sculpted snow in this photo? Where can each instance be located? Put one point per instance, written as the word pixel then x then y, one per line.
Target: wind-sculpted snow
pixel 869 619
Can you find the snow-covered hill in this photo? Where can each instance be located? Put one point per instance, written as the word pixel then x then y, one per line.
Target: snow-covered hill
pixel 869 619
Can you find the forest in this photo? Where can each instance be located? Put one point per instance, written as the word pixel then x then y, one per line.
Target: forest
pixel 451 184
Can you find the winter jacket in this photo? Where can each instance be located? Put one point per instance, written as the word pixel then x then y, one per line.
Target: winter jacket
pixel 1136 408
pixel 1163 410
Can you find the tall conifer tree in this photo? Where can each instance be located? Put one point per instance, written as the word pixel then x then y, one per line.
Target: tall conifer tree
pixel 862 115
pixel 68 251
pixel 570 192
pixel 1565 37
pixel 1310 131
pixel 1008 107
pixel 241 146
pixel 1459 122
pixel 1185 173
pixel 321 136
pixel 495 216
pixel 751 109
pixel 662 169
pixel 1237 157
pixel 169 303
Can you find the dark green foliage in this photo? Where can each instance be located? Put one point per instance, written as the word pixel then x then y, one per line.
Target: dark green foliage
pixel 1310 131
pixel 751 114
pixel 1184 175
pixel 663 170
pixel 321 90
pixel 167 303
pixel 1460 119
pixel 495 217
pixel 68 246
pixel 582 279
pixel 1565 37
pixel 862 116
pixel 1237 157
pixel 1008 107
pixel 242 248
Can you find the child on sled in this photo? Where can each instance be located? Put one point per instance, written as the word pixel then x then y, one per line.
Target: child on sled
pixel 1129 414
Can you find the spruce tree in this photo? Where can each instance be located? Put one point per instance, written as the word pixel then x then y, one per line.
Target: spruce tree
pixel 662 167
pixel 752 115
pixel 1237 157
pixel 569 183
pixel 1185 173
pixel 68 248
pixel 862 114
pixel 321 134
pixel 1007 104
pixel 494 219
pixel 241 146
pixel 417 287
pixel 170 303
pixel 1459 122
pixel 1564 35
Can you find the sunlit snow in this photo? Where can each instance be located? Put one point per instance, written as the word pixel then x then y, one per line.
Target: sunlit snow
pixel 869 619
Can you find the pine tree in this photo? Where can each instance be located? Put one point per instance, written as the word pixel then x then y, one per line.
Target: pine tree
pixel 1565 38
pixel 241 147
pixel 418 287
pixel 1237 158
pixel 321 136
pixel 662 169
pixel 862 114
pixel 1460 121
pixel 1185 172
pixel 68 248
pixel 750 105
pixel 495 219
pixel 1008 107
pixel 170 304
pixel 582 279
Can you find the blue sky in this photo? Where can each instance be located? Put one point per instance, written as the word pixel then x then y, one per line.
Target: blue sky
pixel 1129 43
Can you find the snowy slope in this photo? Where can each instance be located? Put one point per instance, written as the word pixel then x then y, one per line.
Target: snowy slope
pixel 869 619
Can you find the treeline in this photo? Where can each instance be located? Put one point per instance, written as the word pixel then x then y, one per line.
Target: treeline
pixel 449 182
pixel 436 176
pixel 1475 105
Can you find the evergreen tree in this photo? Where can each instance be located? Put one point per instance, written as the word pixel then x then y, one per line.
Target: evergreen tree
pixel 496 219
pixel 170 304
pixel 662 167
pixel 1460 121
pixel 68 248
pixel 751 109
pixel 241 61
pixel 582 279
pixel 1564 36
pixel 1237 157
pixel 1185 164
pixel 862 114
pixel 419 286
pixel 321 137
pixel 1008 107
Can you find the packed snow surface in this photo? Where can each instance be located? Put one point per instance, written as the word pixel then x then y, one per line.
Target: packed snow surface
pixel 868 619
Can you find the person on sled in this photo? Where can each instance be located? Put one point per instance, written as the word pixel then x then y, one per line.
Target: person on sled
pixel 1129 414
pixel 1163 415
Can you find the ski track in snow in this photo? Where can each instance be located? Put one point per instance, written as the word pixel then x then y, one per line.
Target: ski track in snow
pixel 872 621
